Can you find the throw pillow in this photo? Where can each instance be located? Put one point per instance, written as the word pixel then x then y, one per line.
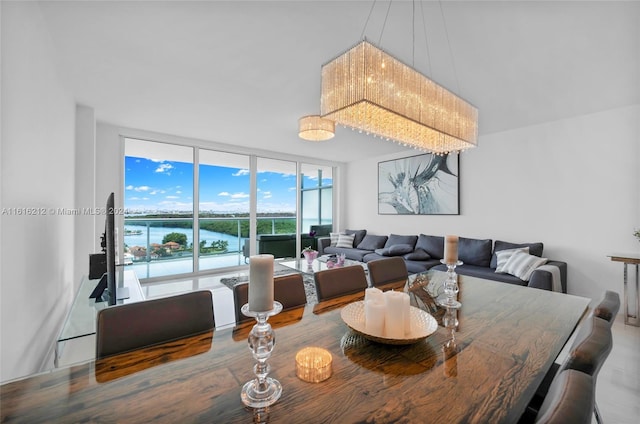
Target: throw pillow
pixel 345 240
pixel 359 235
pixel 475 251
pixel 334 238
pixel 371 242
pixel 433 245
pixel 504 255
pixel 535 249
pixel 417 255
pixel 522 265
pixel 395 239
pixel 396 250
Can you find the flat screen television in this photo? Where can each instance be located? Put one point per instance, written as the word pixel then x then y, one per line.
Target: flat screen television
pixel 106 290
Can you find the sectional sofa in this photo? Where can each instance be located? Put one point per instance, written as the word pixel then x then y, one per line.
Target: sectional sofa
pixel 514 263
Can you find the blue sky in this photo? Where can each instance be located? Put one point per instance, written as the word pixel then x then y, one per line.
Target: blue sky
pixel 152 185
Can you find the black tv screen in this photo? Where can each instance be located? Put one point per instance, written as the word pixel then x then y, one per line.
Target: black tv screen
pixel 106 289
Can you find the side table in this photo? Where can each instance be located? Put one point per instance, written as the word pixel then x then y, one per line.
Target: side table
pixel 629 259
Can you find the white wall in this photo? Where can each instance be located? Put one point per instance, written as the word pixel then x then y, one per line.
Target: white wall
pixel 572 184
pixel 36 276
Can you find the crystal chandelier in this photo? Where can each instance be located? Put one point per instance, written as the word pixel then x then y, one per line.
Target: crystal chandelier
pixel 316 128
pixel 367 89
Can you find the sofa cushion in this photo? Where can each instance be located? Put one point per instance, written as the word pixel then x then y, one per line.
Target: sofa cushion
pixel 345 240
pixel 433 245
pixel 372 242
pixel 395 250
pixel 359 235
pixel 395 239
pixel 474 251
pixel 350 253
pixel 417 255
pixel 504 255
pixel 522 265
pixel 534 249
pixel 334 238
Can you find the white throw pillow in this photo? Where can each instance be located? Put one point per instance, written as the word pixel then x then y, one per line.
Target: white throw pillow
pixel 522 265
pixel 345 240
pixel 503 256
pixel 334 238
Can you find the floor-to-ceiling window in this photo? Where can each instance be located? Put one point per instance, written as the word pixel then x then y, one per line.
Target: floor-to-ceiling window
pixel 223 214
pixel 158 198
pixel 317 195
pixel 167 185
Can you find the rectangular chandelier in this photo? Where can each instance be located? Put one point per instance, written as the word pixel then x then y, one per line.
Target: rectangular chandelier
pixel 370 90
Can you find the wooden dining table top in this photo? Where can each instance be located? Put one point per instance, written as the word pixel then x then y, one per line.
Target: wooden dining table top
pixel 486 370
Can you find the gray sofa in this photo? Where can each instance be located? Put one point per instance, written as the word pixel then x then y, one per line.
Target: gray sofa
pixel 423 252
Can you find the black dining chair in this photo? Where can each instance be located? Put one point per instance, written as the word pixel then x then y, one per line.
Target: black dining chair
pixel 571 399
pixel 287 289
pixel 131 326
pixel 387 270
pixel 337 282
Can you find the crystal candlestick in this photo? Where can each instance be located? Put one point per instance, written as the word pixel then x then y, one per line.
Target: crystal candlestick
pixel 262 391
pixel 451 287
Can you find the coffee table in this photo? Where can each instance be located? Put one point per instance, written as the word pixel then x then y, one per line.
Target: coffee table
pixel 307 270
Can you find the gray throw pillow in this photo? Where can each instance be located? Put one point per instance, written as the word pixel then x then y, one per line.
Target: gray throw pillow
pixel 417 255
pixel 433 245
pixel 371 242
pixel 475 251
pixel 396 250
pixel 359 235
pixel 395 239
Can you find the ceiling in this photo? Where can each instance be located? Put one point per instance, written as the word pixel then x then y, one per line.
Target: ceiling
pixel 243 72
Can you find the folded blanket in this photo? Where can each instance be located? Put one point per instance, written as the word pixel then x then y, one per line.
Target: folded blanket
pixel 556 281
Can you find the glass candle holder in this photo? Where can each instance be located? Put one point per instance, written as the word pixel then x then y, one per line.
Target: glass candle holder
pixel 313 364
pixel 450 286
pixel 262 391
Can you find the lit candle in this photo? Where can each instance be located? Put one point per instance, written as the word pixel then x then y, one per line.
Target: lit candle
pixel 261 283
pixel 451 249
pixel 313 364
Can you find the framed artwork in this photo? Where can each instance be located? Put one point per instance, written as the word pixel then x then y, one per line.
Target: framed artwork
pixel 426 184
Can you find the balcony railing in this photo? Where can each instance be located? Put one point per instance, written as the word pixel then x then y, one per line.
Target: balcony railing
pixel 151 255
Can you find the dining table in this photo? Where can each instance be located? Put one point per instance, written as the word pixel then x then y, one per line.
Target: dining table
pixel 482 364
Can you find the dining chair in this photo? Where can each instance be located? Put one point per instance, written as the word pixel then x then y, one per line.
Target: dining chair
pixel 387 270
pixel 571 399
pixel 336 282
pixel 287 289
pixel 608 307
pixel 587 354
pixel 131 326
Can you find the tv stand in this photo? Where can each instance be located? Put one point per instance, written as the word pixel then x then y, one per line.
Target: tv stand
pixel 99 294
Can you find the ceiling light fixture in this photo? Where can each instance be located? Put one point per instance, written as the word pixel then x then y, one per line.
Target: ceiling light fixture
pixel 316 128
pixel 368 89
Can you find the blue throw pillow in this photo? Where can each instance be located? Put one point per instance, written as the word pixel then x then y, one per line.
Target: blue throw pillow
pixel 371 242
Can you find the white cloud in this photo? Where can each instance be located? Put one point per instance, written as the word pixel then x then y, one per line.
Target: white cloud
pixel 224 193
pixel 172 197
pixel 164 168
pixel 241 172
pixel 239 195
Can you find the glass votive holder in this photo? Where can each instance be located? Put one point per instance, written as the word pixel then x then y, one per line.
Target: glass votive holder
pixel 313 364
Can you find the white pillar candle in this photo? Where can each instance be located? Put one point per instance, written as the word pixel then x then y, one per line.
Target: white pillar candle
pixel 451 249
pixel 374 314
pixel 261 283
pixel 373 293
pixel 406 309
pixel 394 317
